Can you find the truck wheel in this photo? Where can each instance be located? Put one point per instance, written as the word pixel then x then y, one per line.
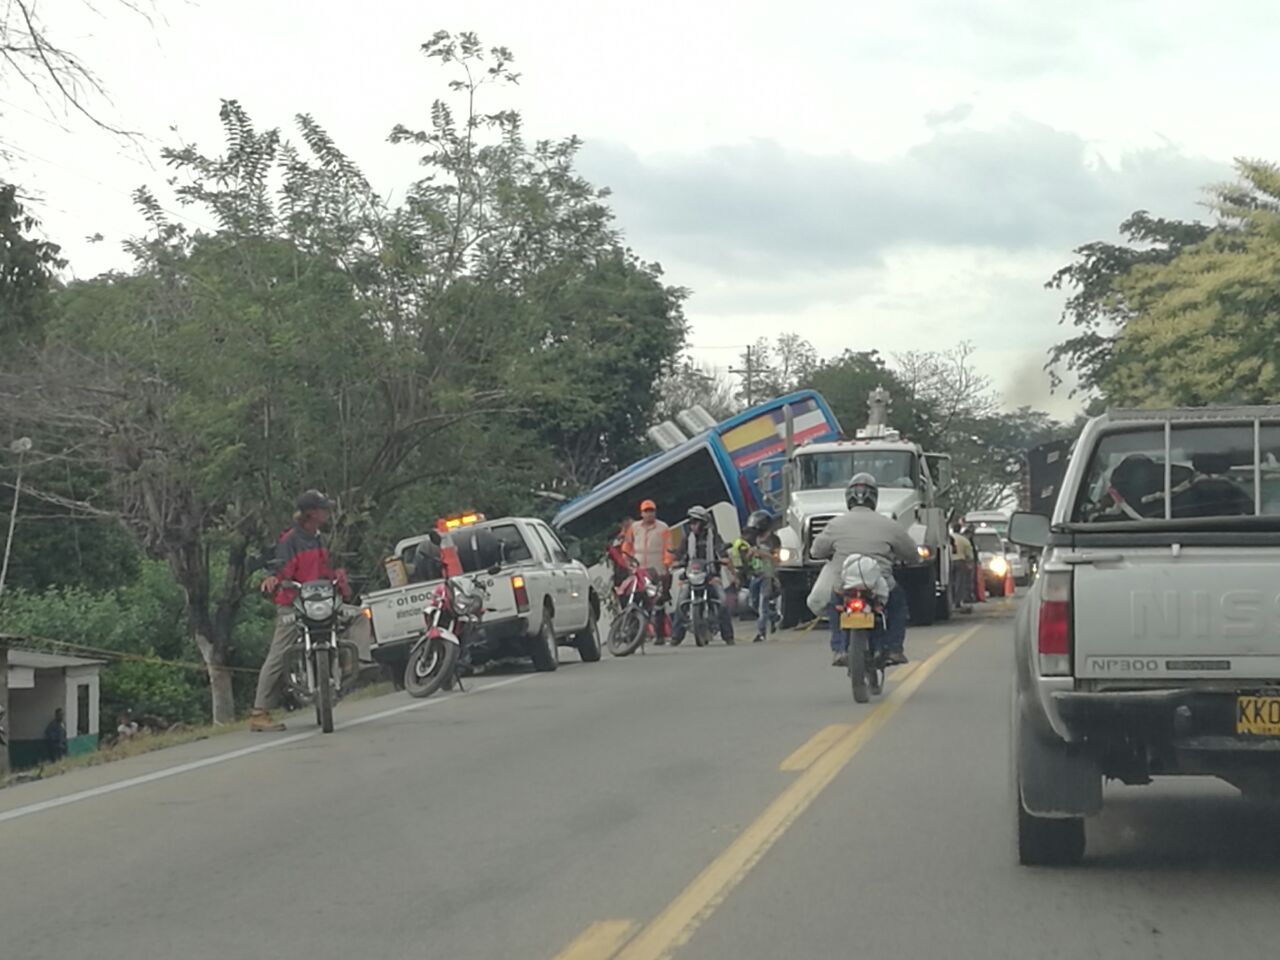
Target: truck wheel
pixel 1048 842
pixel 944 605
pixel 922 602
pixel 588 640
pixel 543 650
pixel 791 604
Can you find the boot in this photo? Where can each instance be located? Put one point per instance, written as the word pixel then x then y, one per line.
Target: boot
pixel 260 722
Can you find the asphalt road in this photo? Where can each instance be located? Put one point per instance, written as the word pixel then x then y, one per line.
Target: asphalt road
pixel 715 803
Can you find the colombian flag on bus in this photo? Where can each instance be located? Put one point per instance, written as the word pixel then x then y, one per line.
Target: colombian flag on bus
pixel 764 436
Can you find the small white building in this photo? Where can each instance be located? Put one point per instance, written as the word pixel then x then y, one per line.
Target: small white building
pixel 40 684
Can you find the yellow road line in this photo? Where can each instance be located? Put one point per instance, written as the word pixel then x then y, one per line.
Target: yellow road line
pixel 815 746
pixel 673 927
pixel 599 941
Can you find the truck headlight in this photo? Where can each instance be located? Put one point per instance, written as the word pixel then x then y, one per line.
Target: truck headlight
pixel 786 554
pixel 925 552
pixel 999 566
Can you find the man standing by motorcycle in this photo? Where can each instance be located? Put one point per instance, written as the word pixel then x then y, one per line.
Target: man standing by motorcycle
pixel 300 556
pixel 864 531
pixel 702 542
pixel 648 544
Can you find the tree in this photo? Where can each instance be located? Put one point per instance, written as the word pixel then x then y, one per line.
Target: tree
pixel 773 369
pixel 52 73
pixel 1204 327
pixel 688 383
pixel 1098 306
pixel 28 269
pixel 392 356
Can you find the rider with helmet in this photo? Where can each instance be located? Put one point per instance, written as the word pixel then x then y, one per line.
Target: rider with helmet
pixel 702 542
pixel 755 555
pixel 864 531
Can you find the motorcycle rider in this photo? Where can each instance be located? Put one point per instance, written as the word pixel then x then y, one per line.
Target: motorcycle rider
pixel 703 542
pixel 864 531
pixel 300 556
pixel 648 544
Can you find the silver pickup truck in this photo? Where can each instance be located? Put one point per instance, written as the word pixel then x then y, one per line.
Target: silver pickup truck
pixel 540 600
pixel 1149 644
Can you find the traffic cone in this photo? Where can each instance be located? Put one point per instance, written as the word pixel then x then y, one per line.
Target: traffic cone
pixel 980 587
pixel 1008 585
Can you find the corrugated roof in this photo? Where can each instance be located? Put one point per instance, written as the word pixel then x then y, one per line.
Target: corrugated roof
pixel 46 661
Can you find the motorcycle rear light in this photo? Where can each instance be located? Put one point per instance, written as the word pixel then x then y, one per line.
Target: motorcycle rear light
pixel 1053 629
pixel 857 605
pixel 521 594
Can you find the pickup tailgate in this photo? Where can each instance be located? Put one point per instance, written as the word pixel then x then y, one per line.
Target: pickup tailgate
pixel 1204 613
pixel 397 614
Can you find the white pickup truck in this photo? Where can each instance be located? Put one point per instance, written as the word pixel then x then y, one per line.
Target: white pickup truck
pixel 1150 644
pixel 542 599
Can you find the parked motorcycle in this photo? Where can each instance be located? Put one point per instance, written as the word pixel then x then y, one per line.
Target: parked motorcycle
pixel 320 659
pixel 638 599
pixel 454 614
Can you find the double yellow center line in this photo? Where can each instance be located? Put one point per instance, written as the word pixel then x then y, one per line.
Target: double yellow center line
pixel 821 759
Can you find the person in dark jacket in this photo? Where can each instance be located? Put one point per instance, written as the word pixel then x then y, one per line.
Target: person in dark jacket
pixel 55 737
pixel 300 556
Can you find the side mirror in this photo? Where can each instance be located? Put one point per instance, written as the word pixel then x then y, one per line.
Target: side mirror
pixel 1029 529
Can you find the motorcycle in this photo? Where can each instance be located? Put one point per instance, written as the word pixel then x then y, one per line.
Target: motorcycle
pixel 860 615
pixel 638 598
pixel 703 609
pixel 319 659
pixel 453 613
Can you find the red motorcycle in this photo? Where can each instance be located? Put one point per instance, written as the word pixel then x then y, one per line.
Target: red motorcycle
pixel 453 617
pixel 638 598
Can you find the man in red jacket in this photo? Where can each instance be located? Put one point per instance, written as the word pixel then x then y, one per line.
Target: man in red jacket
pixel 300 556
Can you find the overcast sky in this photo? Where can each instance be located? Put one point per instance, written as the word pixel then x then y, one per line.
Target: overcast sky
pixel 895 176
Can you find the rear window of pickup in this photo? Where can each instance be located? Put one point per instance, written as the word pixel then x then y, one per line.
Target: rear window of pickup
pixel 1197 470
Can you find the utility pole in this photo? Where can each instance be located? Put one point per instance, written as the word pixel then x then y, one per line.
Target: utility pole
pixel 748 373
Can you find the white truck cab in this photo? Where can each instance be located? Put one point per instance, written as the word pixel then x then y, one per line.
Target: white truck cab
pixel 912 488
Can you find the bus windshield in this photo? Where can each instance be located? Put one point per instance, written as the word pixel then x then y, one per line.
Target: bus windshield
pixel 827 471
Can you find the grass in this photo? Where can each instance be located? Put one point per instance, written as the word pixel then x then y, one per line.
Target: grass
pixel 142 743
pixel 147 742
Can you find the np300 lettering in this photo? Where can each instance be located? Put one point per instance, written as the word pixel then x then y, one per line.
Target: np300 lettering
pixel 1124 665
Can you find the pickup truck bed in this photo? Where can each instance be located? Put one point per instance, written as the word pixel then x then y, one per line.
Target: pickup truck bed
pixel 1149 644
pixel 541 599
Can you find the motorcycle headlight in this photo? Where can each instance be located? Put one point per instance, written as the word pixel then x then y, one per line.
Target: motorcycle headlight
pixel 697 577
pixel 317 609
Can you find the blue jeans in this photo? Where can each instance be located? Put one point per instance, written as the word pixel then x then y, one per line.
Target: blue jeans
pixel 761 593
pixel 893 635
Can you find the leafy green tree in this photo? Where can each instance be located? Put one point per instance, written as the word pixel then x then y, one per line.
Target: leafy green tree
pixel 398 357
pixel 1098 305
pixel 1205 326
pixel 28 270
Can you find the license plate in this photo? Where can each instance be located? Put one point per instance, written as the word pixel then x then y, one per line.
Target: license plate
pixel 1258 716
pixel 858 621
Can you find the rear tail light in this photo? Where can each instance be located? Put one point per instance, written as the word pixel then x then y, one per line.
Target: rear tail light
pixel 521 594
pixel 857 605
pixel 1053 631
